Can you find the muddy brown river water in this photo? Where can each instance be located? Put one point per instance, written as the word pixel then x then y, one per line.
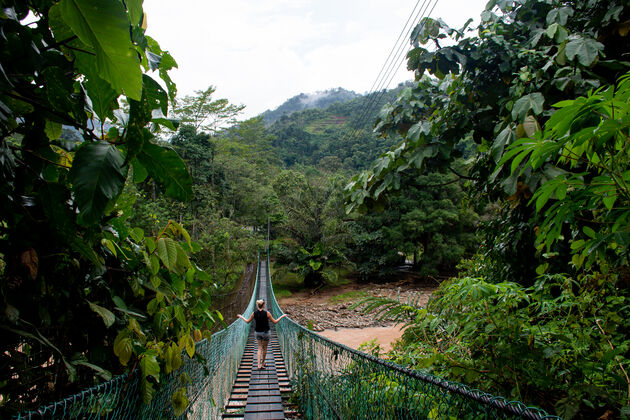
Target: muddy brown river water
pixel 354 337
pixel 340 322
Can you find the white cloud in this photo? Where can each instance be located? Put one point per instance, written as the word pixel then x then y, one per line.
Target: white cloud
pixel 260 53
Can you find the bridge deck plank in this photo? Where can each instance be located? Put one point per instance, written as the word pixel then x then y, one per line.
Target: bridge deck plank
pixel 264 398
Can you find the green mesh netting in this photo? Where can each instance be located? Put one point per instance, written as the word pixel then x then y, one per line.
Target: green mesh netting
pixel 212 373
pixel 333 381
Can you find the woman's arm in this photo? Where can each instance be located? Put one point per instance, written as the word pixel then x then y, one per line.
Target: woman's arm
pixel 247 320
pixel 275 321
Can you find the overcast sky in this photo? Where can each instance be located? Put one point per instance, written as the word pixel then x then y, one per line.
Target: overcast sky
pixel 260 53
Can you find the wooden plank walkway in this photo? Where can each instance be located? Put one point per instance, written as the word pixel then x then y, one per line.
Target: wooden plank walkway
pixel 257 394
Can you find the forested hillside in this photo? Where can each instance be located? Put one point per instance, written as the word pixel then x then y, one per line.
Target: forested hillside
pixel 339 136
pixel 304 101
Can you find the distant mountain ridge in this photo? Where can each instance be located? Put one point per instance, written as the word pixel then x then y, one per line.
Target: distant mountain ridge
pixel 319 100
pixel 327 132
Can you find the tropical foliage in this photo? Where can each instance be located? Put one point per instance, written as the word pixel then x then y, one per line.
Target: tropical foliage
pixel 497 87
pixel 560 344
pixel 81 283
pixel 129 210
pixel 542 90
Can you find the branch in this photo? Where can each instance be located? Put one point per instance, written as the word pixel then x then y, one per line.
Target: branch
pixel 437 185
pixel 38 156
pixel 65 118
pixel 462 176
pixel 62 42
pixel 80 50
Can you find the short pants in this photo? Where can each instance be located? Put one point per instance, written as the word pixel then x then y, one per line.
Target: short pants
pixel 264 336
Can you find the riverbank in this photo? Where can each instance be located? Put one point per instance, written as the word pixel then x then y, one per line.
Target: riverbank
pixel 329 311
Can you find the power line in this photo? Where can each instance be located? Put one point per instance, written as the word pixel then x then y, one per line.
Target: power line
pixel 402 31
pixel 398 46
pixel 392 68
pixel 392 64
pixel 401 60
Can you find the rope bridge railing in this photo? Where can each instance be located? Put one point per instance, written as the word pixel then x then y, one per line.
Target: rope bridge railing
pixel 212 373
pixel 334 381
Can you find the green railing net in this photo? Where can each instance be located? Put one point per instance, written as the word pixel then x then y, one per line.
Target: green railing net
pixel 211 378
pixel 333 381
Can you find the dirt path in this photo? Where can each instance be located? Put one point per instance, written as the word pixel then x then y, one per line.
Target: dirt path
pixel 328 311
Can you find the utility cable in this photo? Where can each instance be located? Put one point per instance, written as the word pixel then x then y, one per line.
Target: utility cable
pixel 392 69
pixel 383 80
pixel 378 83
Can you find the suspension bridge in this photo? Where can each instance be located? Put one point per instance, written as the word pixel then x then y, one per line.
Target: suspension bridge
pixel 327 379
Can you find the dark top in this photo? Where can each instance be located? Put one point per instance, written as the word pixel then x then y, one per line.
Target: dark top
pixel 262 322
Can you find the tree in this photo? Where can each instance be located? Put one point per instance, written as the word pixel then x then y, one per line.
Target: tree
pixel 498 87
pixel 312 224
pixel 431 223
pixel 587 142
pixel 84 293
pixel 205 114
pixel 543 91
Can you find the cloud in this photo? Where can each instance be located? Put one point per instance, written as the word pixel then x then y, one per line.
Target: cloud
pixel 260 53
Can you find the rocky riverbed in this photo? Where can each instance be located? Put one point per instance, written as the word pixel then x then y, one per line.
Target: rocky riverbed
pixel 324 310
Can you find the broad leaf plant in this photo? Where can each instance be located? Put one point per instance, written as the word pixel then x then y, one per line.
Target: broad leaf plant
pixel 86 295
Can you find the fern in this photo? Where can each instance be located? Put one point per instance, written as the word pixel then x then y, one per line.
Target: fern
pixel 388 309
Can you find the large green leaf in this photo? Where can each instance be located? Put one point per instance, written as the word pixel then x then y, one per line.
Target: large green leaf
pixel 173 356
pixel 97 175
pixel 134 7
pixel 180 402
pixel 154 95
pixel 533 101
pixel 153 98
pixel 150 366
pixel 168 169
pixel 147 391
pixel 108 317
pixel 559 15
pixel 123 347
pixel 186 342
pixel 166 63
pixel 504 138
pixel 56 88
pixel 167 251
pixel 585 49
pixel 139 172
pixel 104 25
pixel 101 94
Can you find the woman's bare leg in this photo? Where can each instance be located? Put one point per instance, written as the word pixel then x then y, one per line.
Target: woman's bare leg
pixel 260 358
pixel 265 343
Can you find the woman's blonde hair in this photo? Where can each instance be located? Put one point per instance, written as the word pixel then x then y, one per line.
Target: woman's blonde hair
pixel 260 303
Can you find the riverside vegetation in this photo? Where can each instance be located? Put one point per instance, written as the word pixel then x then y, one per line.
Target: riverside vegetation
pixel 540 313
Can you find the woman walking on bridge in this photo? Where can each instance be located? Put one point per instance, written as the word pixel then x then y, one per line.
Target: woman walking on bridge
pixel 261 330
